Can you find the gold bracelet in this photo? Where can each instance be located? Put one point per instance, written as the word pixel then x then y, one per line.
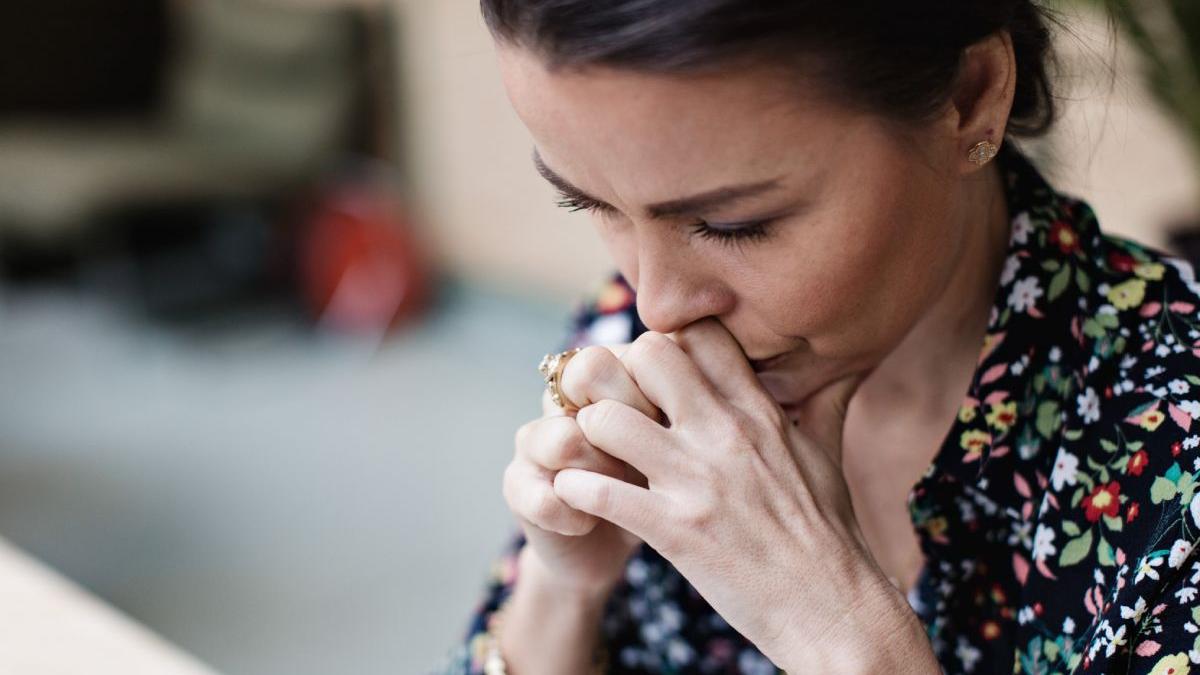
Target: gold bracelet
pixel 493 660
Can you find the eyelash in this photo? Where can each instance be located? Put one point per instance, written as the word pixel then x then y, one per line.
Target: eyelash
pixel 750 232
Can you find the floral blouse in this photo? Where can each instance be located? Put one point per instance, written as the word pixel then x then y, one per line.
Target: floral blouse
pixel 1060 516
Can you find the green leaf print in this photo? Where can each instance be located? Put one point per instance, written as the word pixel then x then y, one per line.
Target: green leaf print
pixel 1076 549
pixel 1047 418
pixel 1070 528
pixel 1162 490
pixel 1082 280
pixel 1104 552
pixel 1059 283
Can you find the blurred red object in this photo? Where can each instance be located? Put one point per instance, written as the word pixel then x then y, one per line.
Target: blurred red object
pixel 362 269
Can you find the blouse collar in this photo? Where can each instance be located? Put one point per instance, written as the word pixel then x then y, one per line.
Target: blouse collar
pixel 1042 290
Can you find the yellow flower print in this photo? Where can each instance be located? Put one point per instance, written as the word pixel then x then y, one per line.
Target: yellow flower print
pixel 936 527
pixel 966 413
pixel 1151 271
pixel 1151 419
pixel 1127 294
pixel 973 441
pixel 1002 415
pixel 1175 664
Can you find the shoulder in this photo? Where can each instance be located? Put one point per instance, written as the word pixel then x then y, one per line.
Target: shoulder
pixel 1125 474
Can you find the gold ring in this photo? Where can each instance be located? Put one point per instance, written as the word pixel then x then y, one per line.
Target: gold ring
pixel 551 369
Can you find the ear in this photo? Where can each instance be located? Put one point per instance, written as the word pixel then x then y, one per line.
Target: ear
pixel 983 94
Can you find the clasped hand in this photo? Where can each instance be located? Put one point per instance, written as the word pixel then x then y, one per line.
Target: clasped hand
pixel 749 505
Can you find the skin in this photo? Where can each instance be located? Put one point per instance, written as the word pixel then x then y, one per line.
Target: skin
pixel 780 362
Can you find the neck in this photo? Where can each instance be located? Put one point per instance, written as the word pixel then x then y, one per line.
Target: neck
pixel 932 367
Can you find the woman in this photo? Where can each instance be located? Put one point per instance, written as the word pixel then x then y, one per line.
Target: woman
pixel 892 404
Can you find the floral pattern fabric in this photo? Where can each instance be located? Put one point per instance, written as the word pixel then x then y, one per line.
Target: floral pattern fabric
pixel 1060 517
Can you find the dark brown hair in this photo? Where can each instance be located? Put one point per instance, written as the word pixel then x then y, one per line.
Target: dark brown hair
pixel 897 59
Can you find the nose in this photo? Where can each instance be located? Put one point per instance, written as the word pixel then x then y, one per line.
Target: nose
pixel 672 291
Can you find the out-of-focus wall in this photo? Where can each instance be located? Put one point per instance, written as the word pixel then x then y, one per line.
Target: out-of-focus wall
pixel 1113 145
pixel 492 217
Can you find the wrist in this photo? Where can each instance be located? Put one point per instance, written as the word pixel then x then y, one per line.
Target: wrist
pixel 877 632
pixel 538 581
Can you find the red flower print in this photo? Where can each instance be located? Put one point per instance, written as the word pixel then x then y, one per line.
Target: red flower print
pixel 1175 449
pixel 1104 500
pixel 1062 234
pixel 1138 463
pixel 1132 512
pixel 1121 262
pixel 990 630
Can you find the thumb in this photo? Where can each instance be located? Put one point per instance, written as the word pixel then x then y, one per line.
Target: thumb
pixel 822 416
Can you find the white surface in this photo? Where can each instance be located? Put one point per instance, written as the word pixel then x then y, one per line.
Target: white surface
pixel 49 626
pixel 270 500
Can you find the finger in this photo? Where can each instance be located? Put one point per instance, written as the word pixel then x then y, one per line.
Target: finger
pixel 629 507
pixel 669 378
pixel 595 374
pixel 557 443
pixel 628 435
pixel 721 361
pixel 529 492
pixel 822 416
pixel 549 409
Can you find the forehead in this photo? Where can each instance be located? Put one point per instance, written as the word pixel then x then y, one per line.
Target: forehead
pixel 654 135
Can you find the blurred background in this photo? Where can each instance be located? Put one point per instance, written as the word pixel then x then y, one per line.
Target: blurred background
pixel 274 284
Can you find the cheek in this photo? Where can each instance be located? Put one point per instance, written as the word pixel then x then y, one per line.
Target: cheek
pixel 854 283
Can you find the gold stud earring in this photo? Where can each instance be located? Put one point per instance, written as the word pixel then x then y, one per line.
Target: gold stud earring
pixel 982 152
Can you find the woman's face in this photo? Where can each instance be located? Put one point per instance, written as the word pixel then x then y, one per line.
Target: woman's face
pixel 815 234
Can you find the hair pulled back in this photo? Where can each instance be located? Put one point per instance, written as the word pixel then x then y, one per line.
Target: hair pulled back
pixel 896 59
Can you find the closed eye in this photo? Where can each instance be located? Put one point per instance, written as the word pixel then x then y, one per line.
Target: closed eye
pixel 576 202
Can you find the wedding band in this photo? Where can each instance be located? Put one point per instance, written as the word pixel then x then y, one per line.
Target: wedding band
pixel 551 369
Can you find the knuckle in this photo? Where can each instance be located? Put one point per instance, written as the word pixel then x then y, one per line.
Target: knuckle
pixel 541 506
pixel 510 486
pixel 649 347
pixel 524 432
pixel 600 413
pixel 697 514
pixel 591 364
pixel 567 444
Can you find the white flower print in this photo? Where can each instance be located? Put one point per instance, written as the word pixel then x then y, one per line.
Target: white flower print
pixel 1022 225
pixel 968 655
pixel 1011 264
pixel 1135 612
pixel 679 653
pixel 1191 442
pixel 1055 354
pixel 1178 387
pixel 1115 640
pixel 1024 294
pixel 1066 466
pixel 1068 625
pixel 1089 406
pixel 1043 543
pixel 1146 569
pixel 1185 594
pixel 1179 553
pixel 751 662
pixel 1191 408
pixel 1025 615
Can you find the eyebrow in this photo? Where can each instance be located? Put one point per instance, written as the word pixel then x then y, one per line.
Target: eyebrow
pixel 673 208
